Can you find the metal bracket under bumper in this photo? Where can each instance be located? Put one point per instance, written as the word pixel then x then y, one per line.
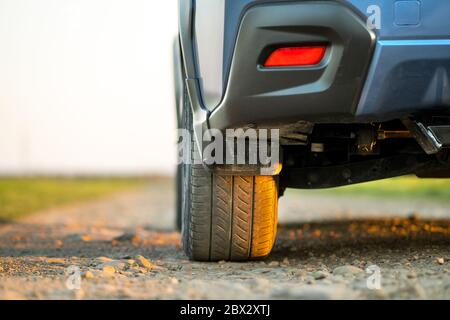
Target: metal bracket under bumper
pixel 432 139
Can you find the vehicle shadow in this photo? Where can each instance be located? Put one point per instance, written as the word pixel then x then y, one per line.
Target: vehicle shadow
pixel 363 237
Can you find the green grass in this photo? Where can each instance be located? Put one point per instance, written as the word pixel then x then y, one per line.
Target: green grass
pixel 403 187
pixel 19 197
pixel 22 196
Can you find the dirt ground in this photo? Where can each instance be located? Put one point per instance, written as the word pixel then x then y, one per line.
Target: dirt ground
pixel 125 247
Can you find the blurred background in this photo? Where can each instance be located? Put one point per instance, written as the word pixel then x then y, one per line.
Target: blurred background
pixel 86 87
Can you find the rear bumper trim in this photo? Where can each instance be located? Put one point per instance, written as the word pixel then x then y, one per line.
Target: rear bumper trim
pixel 406 77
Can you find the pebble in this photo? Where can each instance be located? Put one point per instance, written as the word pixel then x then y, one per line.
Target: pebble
pixel 56 260
pixel 103 259
pixel 86 238
pixel 440 260
pixel 133 237
pixel 262 270
pixel 141 261
pixel 89 275
pixel 116 264
pixel 347 270
pixel 143 270
pixel 130 261
pixel 79 237
pixel 319 275
pixel 108 271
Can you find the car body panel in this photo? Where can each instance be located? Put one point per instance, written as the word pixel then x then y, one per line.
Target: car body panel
pixel 406 77
pixel 209 30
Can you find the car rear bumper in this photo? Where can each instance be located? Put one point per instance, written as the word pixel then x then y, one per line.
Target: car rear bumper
pixel 269 96
pixel 367 75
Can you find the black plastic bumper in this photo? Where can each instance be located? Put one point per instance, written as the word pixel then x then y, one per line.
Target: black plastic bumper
pixel 263 97
pixel 328 92
pixel 254 95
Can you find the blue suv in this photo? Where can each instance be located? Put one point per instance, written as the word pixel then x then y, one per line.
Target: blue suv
pixel 358 90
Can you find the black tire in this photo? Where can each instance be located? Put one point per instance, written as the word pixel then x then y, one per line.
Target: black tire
pixel 179 200
pixel 225 217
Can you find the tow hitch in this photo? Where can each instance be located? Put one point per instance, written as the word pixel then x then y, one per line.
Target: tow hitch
pixel 432 138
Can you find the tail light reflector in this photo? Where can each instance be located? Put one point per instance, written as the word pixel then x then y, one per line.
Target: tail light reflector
pixel 296 56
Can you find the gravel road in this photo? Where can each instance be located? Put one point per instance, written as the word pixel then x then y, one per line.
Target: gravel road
pixel 125 247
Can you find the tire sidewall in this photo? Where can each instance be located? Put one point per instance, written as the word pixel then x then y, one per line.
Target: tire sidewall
pixel 185 177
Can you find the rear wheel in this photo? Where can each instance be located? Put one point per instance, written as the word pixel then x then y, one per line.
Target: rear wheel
pixel 225 217
pixel 179 200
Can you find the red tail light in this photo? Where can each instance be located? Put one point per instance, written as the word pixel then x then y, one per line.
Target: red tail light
pixel 296 56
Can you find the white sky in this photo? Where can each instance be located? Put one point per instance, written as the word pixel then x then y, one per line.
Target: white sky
pixel 86 86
